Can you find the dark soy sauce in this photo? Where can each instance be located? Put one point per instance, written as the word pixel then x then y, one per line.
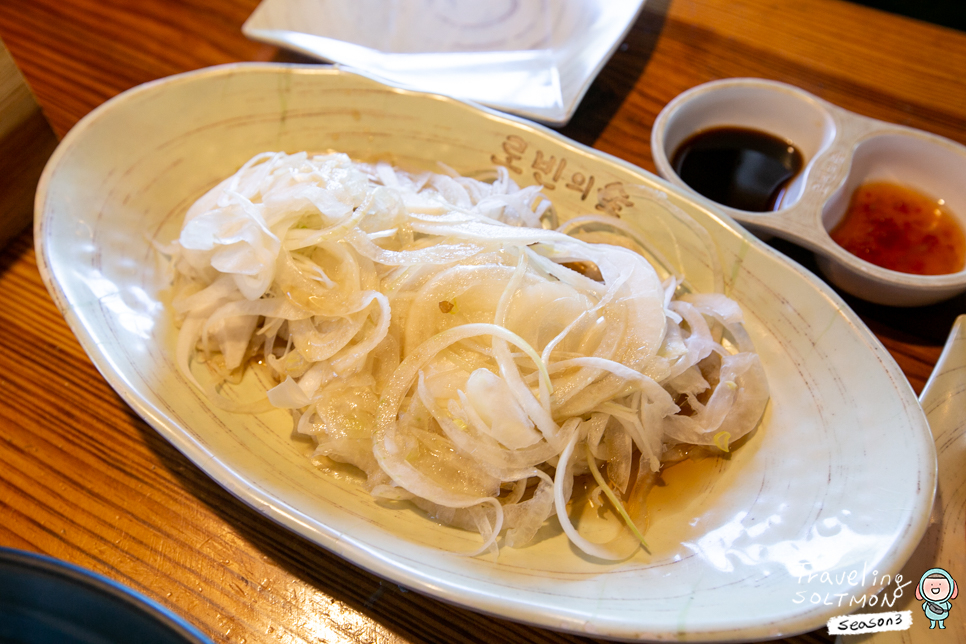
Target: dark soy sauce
pixel 738 167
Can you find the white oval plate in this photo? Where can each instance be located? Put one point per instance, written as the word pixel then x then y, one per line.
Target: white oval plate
pixel 838 478
pixel 943 399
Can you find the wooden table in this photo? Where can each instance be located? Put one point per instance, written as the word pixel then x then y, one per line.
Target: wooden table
pixel 84 479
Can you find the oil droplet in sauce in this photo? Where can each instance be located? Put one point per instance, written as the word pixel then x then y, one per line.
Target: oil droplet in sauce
pixel 898 228
pixel 738 167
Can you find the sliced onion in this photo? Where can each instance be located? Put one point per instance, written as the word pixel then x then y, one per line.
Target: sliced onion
pixel 429 330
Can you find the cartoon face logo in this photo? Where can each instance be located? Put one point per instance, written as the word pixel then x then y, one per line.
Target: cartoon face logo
pixel 936 590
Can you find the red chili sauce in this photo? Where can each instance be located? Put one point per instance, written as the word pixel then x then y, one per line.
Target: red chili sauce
pixel 900 229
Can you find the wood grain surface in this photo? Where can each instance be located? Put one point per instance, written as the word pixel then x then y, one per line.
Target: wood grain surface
pixel 82 478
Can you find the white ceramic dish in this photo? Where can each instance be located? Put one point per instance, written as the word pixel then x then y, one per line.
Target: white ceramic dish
pixel 534 59
pixel 842 150
pixel 943 399
pixel 730 539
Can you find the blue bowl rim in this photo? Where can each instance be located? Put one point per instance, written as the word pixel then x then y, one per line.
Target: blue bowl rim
pixel 73 575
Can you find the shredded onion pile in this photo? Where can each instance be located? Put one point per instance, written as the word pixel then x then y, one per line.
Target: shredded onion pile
pixel 428 330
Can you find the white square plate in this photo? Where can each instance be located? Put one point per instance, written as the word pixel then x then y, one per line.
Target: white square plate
pixel 533 58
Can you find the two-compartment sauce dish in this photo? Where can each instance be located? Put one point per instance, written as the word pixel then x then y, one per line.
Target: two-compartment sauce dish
pixel 797 167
